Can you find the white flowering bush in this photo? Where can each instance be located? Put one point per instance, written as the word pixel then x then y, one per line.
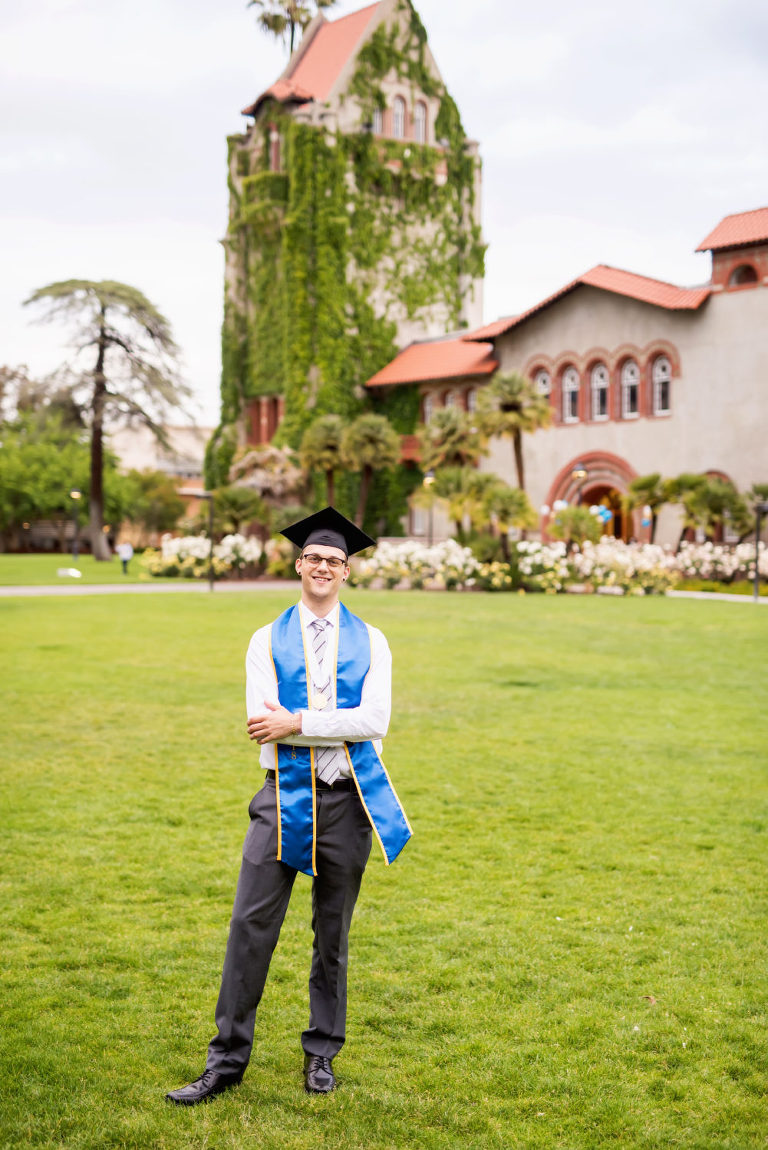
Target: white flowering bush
pixel 394 563
pixel 453 565
pixel 188 556
pixel 608 565
pixel 721 563
pixel 638 568
pixel 239 551
pixel 542 566
pixel 412 564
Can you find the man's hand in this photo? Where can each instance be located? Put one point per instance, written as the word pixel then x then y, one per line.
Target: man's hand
pixel 275 725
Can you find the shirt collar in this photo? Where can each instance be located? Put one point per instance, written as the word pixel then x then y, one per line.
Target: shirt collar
pixel 307 617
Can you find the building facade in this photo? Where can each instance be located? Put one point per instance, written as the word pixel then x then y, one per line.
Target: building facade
pixel 642 377
pixel 354 225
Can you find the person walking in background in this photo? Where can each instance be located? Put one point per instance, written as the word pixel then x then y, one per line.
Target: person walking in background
pixel 125 553
pixel 318 695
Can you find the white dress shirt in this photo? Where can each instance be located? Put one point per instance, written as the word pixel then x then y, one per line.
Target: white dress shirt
pixel 329 727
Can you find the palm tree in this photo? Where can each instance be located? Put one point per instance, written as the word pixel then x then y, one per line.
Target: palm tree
pixel 448 440
pixel 369 444
pixel 236 507
pixel 506 507
pixel 135 376
pixel 281 18
pixel 647 491
pixel 462 490
pixel 511 405
pixel 321 450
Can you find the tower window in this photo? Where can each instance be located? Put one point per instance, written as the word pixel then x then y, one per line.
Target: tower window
pixel 398 119
pixel 420 122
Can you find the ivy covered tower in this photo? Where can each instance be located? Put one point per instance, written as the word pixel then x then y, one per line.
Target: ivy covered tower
pixel 354 228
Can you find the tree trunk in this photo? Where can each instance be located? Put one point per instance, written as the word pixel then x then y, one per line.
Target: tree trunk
pixel 329 487
pixel 517 443
pixel 99 546
pixel 365 483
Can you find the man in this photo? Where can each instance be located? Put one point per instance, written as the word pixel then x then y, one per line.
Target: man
pixel 318 696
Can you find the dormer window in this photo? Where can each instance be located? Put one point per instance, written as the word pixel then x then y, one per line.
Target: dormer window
pixel 420 122
pixel 743 274
pixel 398 118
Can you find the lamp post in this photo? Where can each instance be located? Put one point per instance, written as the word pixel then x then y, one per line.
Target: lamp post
pixel 578 475
pixel 429 479
pixel 760 510
pixel 75 495
pixel 194 493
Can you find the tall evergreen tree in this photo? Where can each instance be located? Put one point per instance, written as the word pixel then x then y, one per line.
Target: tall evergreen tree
pixel 134 377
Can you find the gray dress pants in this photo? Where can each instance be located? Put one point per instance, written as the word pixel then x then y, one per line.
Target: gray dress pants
pixel 261 901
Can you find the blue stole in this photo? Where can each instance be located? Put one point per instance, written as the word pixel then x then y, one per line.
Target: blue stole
pixel 296 795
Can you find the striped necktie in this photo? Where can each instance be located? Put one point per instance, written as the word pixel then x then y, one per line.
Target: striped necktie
pixel 325 757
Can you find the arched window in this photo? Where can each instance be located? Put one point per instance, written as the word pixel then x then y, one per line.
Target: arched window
pixel 378 121
pixel 570 395
pixel 471 400
pixel 542 382
pixel 420 122
pixel 451 398
pixel 661 377
pixel 428 407
pixel 743 274
pixel 599 381
pixel 630 390
pixel 398 120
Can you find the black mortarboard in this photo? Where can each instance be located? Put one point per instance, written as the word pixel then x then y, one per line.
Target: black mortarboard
pixel 331 529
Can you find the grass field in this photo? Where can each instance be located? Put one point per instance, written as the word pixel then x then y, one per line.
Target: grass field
pixel 571 952
pixel 43 570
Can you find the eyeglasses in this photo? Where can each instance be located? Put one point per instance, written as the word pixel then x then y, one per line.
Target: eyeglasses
pixel 315 560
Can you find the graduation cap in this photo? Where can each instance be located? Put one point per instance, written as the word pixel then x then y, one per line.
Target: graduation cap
pixel 331 529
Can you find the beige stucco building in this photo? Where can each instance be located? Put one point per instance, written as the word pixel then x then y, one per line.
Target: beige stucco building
pixel 642 377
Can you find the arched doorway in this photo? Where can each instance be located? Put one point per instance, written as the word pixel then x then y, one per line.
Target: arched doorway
pixel 602 495
pixel 595 478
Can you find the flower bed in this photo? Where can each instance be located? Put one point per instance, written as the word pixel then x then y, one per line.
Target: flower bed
pixel 609 565
pixel 188 557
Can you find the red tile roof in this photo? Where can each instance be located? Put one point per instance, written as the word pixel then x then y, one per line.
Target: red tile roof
pixel 437 359
pixel 320 64
pixel 641 288
pixel 736 230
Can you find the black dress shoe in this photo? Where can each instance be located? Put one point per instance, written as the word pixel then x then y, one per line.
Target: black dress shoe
pixel 318 1076
pixel 208 1085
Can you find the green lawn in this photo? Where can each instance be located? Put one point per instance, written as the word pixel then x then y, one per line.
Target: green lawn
pixel 53 570
pixel 570 953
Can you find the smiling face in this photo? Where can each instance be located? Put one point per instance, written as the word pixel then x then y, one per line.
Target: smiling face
pixel 321 582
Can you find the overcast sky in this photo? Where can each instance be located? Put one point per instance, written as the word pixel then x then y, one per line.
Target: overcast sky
pixel 610 132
